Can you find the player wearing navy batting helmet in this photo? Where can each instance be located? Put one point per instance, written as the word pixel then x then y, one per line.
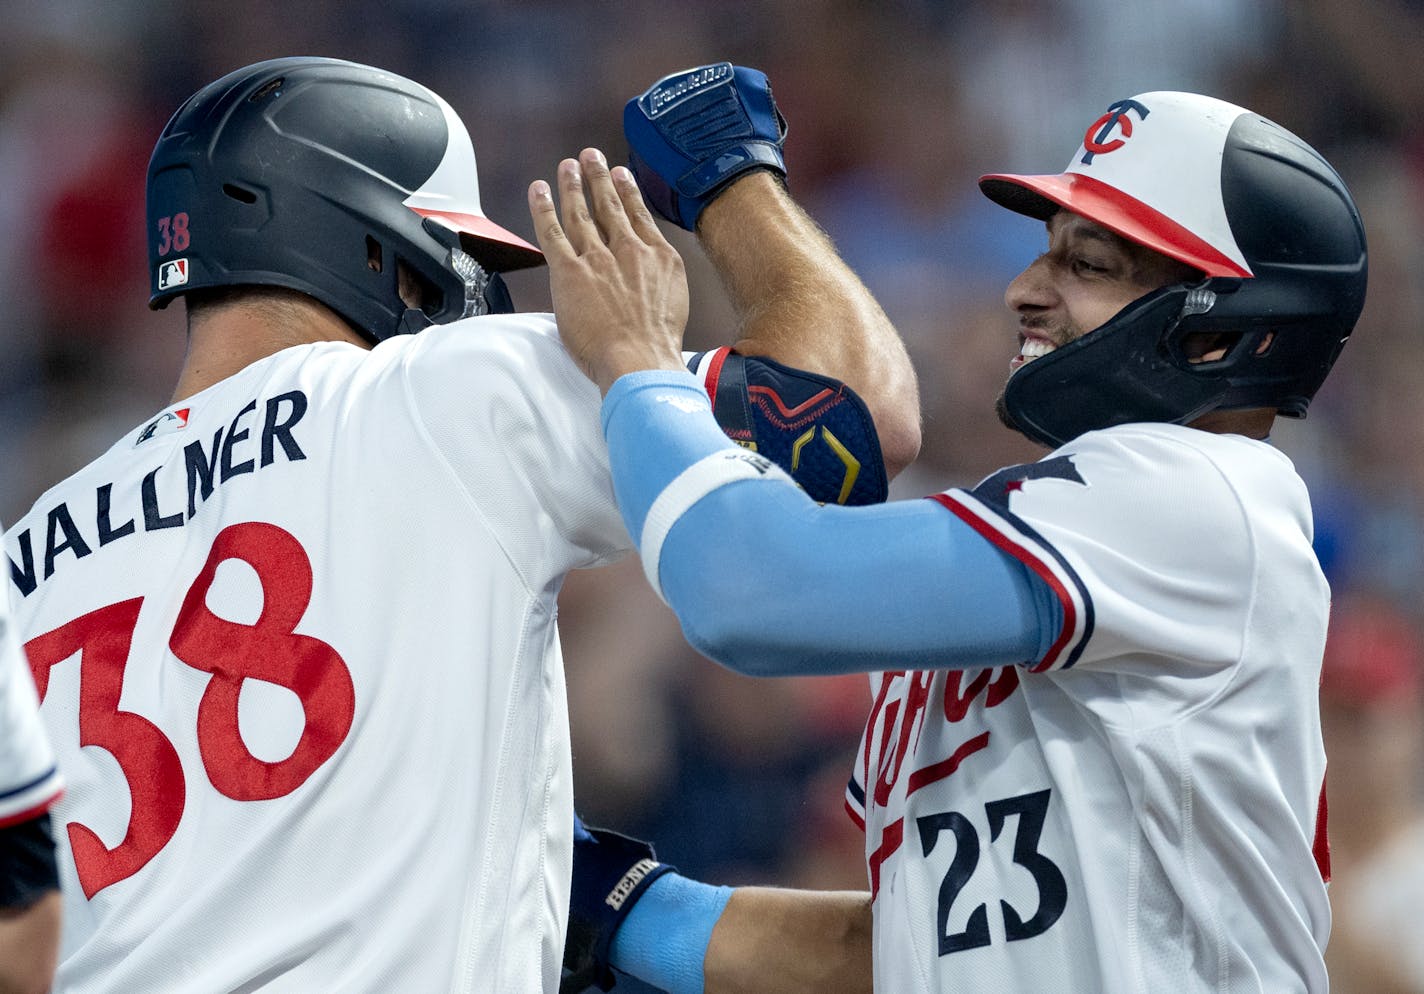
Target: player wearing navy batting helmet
pixel 294 634
pixel 328 178
pixel 1093 760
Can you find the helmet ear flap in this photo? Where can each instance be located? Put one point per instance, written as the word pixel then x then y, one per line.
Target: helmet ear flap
pixel 1116 374
pixel 413 320
pixel 497 298
pixel 485 292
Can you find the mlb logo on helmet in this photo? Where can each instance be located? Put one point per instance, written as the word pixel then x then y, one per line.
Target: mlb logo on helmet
pixel 172 274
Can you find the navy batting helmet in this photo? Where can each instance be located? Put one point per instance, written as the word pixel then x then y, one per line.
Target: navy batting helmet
pixel 322 176
pixel 1258 211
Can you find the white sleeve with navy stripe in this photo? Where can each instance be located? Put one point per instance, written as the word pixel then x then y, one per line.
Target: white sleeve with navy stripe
pixel 1137 560
pixel 29 779
pixel 1093 759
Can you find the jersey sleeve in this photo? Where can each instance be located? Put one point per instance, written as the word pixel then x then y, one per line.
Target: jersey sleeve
pixel 29 779
pixel 517 423
pixel 855 792
pixel 1141 538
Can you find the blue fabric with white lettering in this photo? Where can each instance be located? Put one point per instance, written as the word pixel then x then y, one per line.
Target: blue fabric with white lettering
pixel 693 132
pixel 664 940
pixel 791 594
pixel 611 874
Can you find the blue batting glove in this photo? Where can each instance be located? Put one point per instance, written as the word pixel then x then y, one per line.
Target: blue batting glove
pixel 611 872
pixel 693 132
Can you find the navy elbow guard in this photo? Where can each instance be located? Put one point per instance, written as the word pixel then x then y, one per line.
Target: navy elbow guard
pixel 611 872
pixel 814 427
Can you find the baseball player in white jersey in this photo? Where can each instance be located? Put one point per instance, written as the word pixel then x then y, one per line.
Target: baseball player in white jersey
pixel 1093 761
pixel 295 634
pixel 30 783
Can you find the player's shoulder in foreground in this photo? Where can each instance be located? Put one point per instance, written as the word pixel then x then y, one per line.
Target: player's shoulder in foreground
pixel 481 335
pixel 1188 470
pixel 257 406
pixel 490 354
pixel 1168 450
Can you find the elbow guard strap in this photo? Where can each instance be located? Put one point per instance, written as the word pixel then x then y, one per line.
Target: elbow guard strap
pixel 814 427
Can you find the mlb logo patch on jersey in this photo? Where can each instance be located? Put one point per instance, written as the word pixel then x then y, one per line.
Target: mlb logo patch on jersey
pixel 165 424
pixel 172 274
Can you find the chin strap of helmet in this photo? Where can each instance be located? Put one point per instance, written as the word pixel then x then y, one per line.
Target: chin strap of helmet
pixel 476 281
pixel 1122 372
pixel 485 292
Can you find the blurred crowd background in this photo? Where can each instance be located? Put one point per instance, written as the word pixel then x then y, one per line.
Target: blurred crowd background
pixel 895 108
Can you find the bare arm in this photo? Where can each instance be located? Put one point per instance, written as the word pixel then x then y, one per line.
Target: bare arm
pixel 627 910
pixel 801 305
pixel 29 945
pixel 771 941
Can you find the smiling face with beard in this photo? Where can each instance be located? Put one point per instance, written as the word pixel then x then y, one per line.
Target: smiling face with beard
pixel 1087 275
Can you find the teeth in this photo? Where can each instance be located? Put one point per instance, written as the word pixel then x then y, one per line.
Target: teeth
pixel 1034 347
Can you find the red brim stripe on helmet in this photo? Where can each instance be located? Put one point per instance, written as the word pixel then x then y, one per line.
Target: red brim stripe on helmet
pixel 508 250
pixel 1114 210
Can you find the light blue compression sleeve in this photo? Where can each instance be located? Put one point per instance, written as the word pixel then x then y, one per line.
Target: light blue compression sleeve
pixel 768 582
pixel 664 939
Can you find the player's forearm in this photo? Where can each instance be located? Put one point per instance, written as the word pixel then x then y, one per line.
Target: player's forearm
pixel 791 942
pixel 687 937
pixel 29 945
pixel 836 590
pixel 801 305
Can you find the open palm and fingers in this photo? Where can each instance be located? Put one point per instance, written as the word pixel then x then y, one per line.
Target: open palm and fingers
pixel 619 289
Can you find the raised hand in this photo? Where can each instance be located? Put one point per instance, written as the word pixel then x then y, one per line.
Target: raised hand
pixel 619 288
pixel 691 134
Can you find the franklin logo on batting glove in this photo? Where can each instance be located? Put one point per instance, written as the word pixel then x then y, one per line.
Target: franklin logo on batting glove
pixel 671 90
pixel 630 882
pixel 693 132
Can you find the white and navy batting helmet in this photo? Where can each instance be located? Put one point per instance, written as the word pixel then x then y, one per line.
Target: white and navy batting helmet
pixel 1261 214
pixel 319 176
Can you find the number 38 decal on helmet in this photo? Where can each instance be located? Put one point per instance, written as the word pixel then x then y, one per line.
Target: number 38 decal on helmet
pixel 283 174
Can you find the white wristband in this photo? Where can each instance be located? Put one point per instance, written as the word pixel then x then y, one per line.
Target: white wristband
pixel 695 482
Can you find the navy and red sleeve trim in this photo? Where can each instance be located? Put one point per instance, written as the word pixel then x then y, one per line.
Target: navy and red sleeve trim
pixel 1011 534
pixel 31 799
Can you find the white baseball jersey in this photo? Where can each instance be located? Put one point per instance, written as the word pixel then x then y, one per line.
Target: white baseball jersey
pixel 1140 810
pixel 296 643
pixel 29 778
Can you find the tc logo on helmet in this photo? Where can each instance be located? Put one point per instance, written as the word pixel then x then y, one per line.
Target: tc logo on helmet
pixel 1096 142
